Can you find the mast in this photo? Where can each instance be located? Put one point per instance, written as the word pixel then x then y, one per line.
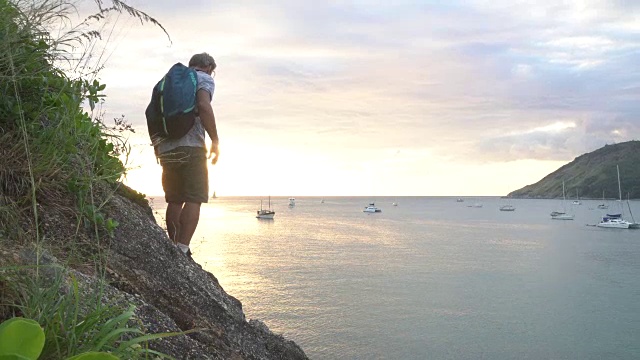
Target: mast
pixel 564 206
pixel 619 189
pixel 630 213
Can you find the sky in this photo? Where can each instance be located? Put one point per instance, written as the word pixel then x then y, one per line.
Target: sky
pixel 395 98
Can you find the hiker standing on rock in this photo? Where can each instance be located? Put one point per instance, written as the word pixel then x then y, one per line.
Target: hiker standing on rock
pixel 185 178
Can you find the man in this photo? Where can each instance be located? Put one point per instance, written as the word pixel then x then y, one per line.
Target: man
pixel 185 178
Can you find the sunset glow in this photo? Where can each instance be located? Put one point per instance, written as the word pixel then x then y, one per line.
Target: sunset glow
pixel 388 99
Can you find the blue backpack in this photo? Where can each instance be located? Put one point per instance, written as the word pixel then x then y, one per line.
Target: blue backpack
pixel 172 110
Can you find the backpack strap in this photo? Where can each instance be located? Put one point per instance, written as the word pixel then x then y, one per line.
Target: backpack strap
pixel 164 121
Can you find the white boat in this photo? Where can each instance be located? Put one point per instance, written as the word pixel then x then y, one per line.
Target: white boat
pixel 459 200
pixel 265 213
pixel 559 215
pixel 292 202
pixel 476 205
pixel 371 208
pixel 507 208
pixel 395 204
pixel 615 221
pixel 562 215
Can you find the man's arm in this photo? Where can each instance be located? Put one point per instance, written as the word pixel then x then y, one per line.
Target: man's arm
pixel 208 119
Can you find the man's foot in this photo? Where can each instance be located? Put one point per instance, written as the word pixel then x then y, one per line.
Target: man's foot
pixel 185 250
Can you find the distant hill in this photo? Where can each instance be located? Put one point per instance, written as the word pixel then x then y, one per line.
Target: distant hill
pixel 591 174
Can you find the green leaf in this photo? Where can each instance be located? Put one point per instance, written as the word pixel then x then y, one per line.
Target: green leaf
pixel 94 356
pixel 13 357
pixel 150 337
pixel 22 337
pixel 114 323
pixel 115 335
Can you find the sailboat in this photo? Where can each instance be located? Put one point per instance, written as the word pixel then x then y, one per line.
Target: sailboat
pixel 562 215
pixel 577 200
pixel 615 221
pixel 603 205
pixel 214 195
pixel 265 213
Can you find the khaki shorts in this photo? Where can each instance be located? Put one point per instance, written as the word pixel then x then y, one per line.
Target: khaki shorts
pixel 185 177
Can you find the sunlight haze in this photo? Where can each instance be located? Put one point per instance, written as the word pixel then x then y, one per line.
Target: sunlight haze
pixel 381 98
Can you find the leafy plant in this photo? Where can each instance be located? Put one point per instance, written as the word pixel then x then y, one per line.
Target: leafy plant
pixel 43 107
pixel 21 338
pixel 78 322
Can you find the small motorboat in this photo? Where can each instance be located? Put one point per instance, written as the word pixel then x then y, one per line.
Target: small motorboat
pixel 371 208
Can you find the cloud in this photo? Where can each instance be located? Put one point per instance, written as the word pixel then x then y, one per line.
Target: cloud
pixel 464 79
pixel 561 140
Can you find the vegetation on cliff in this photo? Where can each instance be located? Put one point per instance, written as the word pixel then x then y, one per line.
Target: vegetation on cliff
pixel 591 175
pixel 81 254
pixel 59 165
pixel 52 151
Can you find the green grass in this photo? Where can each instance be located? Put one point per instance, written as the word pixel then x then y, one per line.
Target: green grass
pixel 78 321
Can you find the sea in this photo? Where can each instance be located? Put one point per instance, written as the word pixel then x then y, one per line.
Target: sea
pixel 429 278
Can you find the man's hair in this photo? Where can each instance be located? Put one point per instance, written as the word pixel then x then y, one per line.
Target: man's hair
pixel 202 60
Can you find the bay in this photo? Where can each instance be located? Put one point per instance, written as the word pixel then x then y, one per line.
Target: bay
pixel 431 278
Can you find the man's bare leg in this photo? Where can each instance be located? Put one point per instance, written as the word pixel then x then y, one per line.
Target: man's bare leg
pixel 174 212
pixel 189 218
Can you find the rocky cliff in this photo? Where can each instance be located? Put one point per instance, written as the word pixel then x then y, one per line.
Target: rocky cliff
pixel 169 290
pixel 61 204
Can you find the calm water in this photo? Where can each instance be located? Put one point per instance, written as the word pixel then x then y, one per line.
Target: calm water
pixel 429 279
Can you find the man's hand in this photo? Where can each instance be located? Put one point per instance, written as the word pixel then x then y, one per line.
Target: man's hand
pixel 209 122
pixel 214 150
